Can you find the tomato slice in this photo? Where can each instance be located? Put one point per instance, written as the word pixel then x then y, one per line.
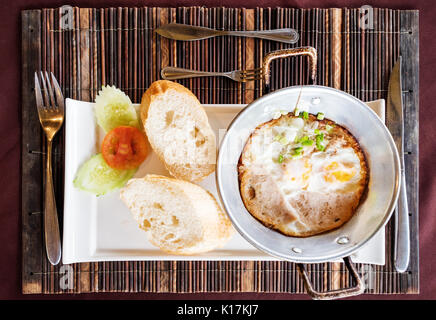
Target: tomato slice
pixel 124 148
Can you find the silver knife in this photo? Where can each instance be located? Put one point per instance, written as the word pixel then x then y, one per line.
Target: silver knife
pixel 178 31
pixel 395 124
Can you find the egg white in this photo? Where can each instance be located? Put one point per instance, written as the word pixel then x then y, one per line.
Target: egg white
pixel 337 169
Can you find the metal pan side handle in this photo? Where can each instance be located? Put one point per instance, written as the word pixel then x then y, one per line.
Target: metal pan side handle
pixel 284 53
pixel 359 287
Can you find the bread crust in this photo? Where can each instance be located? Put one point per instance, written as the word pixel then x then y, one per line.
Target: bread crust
pixel 187 171
pixel 157 88
pixel 263 213
pixel 216 228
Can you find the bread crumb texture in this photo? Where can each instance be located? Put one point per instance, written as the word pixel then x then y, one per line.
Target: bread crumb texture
pixel 178 130
pixel 179 217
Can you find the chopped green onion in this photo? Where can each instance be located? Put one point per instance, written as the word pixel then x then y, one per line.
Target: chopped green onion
pixel 320 116
pixel 283 140
pixel 320 147
pixel 298 149
pixel 296 152
pixel 280 158
pixel 305 115
pixel 307 142
pixel 329 127
pixel 296 112
pixel 320 138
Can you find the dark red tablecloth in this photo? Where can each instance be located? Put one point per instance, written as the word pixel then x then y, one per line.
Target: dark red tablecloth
pixel 10 101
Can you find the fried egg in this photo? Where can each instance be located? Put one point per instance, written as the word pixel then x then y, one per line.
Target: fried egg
pixel 302 176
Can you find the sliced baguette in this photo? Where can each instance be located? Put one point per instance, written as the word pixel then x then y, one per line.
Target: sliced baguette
pixel 178 130
pixel 178 216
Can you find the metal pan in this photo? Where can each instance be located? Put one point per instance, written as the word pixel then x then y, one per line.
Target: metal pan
pixel 372 214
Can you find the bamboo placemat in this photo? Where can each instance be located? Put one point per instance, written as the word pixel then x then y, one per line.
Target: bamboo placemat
pixel 118 46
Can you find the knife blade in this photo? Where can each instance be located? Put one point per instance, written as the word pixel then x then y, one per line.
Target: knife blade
pixel 395 124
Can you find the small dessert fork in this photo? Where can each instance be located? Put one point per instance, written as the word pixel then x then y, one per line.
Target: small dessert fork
pixel 172 73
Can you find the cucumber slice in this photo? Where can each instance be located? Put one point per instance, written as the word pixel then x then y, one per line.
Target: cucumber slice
pixel 113 108
pixel 97 177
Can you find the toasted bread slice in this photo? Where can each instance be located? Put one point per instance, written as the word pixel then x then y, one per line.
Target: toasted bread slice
pixel 178 130
pixel 178 216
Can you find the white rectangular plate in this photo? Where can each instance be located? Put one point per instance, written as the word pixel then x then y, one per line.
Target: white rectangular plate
pixel 102 228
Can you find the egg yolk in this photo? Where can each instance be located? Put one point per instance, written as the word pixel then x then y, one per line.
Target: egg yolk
pixel 338 175
pixel 331 166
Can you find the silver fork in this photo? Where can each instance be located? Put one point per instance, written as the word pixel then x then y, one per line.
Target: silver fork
pixel 51 116
pixel 173 73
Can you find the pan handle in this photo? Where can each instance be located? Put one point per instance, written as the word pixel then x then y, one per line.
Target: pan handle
pixel 283 53
pixel 359 287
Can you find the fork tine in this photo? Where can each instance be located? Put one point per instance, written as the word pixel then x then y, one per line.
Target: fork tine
pixel 253 71
pixel 50 92
pixel 44 87
pixel 38 94
pixel 251 74
pixel 251 78
pixel 58 93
